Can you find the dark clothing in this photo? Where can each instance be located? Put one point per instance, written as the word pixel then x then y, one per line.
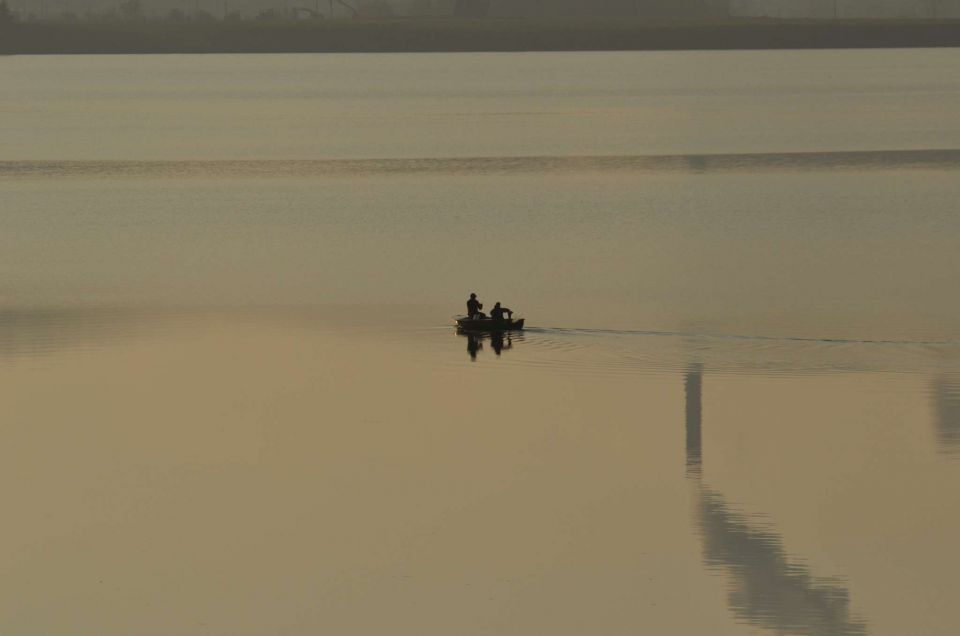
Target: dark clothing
pixel 473 307
pixel 497 313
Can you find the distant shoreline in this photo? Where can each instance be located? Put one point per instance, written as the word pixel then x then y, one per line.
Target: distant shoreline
pixel 453 35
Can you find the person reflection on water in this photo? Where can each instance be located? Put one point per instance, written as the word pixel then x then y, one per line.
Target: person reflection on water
pixel 497 342
pixel 473 346
pixel 474 306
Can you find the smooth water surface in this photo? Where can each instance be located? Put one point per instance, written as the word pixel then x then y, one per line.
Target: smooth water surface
pixel 234 405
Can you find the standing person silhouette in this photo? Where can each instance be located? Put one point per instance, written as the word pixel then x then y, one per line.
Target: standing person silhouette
pixel 474 306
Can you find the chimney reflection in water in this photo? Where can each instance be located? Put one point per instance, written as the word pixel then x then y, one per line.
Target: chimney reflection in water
pixel 768 588
pixel 946 408
pixel 693 388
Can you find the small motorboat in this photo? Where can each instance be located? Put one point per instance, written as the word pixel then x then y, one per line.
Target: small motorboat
pixel 466 323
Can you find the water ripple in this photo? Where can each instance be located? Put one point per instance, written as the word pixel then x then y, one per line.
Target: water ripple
pixel 610 352
pixel 933 158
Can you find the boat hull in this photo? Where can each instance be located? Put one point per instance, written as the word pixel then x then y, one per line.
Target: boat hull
pixel 488 324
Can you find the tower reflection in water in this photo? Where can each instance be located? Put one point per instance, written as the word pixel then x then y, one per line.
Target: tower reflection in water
pixel 499 341
pixel 769 588
pixel 946 408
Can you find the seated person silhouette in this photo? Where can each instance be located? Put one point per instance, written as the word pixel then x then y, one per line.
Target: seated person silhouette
pixel 497 312
pixel 474 306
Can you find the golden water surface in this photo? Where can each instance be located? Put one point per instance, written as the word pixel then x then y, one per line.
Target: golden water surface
pixel 233 402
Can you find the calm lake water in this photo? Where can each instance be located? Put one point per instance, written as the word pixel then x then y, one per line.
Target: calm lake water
pixel 233 403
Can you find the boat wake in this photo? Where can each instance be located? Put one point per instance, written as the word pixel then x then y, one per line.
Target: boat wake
pixel 630 352
pixel 574 331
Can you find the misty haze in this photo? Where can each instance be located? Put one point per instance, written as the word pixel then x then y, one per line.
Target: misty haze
pixel 480 317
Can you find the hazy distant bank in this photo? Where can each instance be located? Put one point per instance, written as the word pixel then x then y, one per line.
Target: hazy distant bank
pixel 412 35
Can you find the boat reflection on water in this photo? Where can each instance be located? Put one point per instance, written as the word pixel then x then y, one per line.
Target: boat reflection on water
pixel 499 341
